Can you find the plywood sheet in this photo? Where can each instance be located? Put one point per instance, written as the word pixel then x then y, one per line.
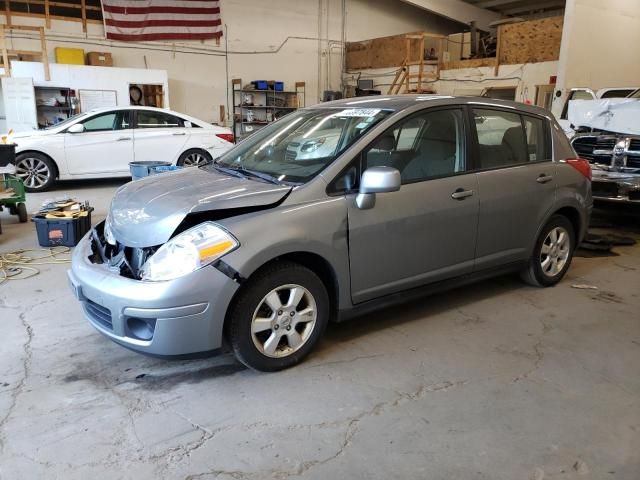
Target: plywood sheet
pixel 385 52
pixel 531 41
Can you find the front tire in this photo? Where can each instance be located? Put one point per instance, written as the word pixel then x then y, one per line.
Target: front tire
pixel 36 170
pixel 278 317
pixel 194 158
pixel 552 253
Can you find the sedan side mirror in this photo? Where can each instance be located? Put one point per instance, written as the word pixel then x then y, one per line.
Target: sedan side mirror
pixel 77 128
pixel 376 180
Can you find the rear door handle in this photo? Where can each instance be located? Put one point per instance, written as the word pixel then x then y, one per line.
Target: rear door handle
pixel 544 178
pixel 179 133
pixel 461 194
pixel 123 139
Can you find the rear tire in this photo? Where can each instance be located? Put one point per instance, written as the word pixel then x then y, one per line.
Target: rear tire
pixel 278 317
pixel 194 158
pixel 552 253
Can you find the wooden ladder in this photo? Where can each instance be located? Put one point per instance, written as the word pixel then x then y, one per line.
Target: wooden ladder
pixel 410 79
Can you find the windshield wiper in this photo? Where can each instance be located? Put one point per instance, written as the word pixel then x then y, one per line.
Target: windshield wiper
pixel 240 171
pixel 264 176
pixel 230 171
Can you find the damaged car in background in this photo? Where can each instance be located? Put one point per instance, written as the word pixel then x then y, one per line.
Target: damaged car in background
pixel 608 136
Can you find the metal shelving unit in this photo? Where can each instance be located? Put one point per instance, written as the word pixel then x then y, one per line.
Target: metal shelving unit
pixel 52 114
pixel 253 109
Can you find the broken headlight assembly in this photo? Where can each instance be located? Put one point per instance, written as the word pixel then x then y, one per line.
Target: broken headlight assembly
pixel 187 252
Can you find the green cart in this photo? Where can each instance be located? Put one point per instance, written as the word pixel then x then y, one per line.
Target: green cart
pixel 15 201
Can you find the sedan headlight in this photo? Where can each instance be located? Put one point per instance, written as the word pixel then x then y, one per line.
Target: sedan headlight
pixel 188 251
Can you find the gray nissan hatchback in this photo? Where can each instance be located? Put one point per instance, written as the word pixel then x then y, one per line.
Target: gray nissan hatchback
pixel 332 211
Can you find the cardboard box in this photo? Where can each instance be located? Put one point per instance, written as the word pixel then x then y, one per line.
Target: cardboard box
pixel 101 59
pixel 73 56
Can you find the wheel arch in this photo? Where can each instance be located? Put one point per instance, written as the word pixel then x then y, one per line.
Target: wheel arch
pixel 40 152
pixel 314 262
pixel 191 149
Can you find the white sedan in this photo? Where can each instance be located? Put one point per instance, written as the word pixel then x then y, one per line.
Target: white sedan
pixel 101 143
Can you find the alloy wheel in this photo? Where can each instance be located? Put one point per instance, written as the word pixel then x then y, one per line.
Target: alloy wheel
pixel 195 159
pixel 33 171
pixel 284 320
pixel 554 252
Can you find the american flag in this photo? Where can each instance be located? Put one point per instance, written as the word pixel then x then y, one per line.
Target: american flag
pixel 144 20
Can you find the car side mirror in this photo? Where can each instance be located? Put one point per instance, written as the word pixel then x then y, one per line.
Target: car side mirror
pixel 376 180
pixel 77 128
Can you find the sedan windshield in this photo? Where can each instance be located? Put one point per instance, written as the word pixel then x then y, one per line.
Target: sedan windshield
pixel 297 147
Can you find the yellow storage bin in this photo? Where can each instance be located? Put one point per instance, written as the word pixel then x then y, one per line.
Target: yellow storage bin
pixel 73 56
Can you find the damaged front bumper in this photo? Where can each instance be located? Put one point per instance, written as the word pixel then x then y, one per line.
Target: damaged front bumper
pixel 172 318
pixel 615 186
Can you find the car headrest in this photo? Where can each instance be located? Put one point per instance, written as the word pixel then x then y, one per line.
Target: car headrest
pixel 385 143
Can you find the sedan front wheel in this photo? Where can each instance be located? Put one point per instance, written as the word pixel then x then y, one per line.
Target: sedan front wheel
pixel 36 171
pixel 278 317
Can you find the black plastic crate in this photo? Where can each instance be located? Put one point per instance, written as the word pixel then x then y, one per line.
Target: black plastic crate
pixel 61 231
pixel 7 154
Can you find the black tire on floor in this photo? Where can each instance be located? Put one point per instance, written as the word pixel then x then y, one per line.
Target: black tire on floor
pixel 533 274
pixel 250 298
pixel 22 160
pixel 194 151
pixel 21 210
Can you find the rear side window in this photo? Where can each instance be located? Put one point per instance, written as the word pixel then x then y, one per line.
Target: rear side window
pixel 507 138
pixel 616 93
pixel 152 119
pixel 536 139
pixel 501 138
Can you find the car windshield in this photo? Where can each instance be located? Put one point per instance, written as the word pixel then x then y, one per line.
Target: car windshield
pixel 297 147
pixel 635 94
pixel 67 121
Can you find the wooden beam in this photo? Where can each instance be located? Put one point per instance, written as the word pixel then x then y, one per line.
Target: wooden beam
pixel 83 5
pixel 46 14
pixel 497 67
pixel 5 54
pixel 7 11
pixel 45 55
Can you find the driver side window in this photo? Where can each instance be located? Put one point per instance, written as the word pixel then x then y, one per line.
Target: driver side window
pixel 425 146
pixel 106 122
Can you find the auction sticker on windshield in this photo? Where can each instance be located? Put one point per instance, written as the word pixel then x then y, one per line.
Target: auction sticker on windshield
pixel 359 112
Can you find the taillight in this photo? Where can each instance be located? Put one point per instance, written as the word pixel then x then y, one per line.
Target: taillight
pixel 581 165
pixel 227 137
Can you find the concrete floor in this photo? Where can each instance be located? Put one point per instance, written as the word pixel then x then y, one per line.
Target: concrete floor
pixel 493 381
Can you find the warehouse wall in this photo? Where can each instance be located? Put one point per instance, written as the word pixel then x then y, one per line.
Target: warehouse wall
pixel 278 39
pixel 600 46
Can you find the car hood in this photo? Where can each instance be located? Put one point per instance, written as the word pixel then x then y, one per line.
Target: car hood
pixel 618 115
pixel 32 134
pixel 146 212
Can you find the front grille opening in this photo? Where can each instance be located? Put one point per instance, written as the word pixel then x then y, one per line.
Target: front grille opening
pixel 99 314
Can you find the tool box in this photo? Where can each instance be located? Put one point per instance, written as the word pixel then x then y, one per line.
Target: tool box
pixel 62 223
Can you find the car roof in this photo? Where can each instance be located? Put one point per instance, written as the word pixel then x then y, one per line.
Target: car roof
pixel 152 109
pixel 401 102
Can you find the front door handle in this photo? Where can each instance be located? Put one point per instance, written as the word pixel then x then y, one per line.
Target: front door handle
pixel 461 194
pixel 179 133
pixel 544 178
pixel 123 139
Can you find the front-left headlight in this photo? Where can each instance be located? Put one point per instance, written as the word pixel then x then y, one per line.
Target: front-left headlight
pixel 188 251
